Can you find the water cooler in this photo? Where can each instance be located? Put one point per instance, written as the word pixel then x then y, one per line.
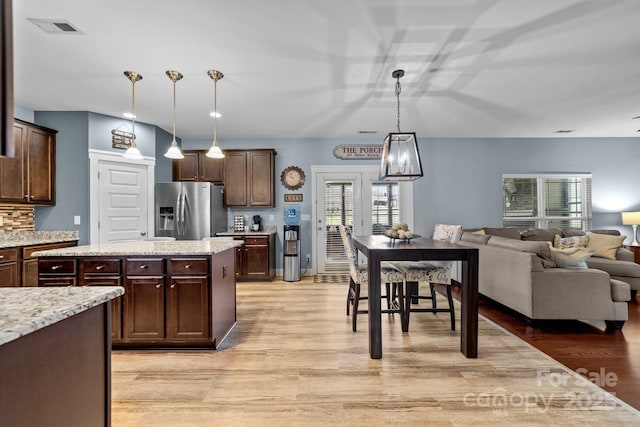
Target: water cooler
pixel 291 244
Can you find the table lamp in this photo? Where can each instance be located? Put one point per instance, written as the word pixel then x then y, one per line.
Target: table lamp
pixel 632 219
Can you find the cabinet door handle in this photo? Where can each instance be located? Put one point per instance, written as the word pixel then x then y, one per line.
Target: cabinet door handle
pixel 173 285
pixel 1 256
pixel 56 267
pixel 224 271
pixel 159 285
pixel 99 267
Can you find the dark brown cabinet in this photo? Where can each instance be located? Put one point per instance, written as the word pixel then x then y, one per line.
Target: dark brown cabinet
pixel 9 267
pixel 249 178
pixel 29 263
pixel 29 176
pixel 105 272
pixel 169 301
pixel 196 166
pixel 255 259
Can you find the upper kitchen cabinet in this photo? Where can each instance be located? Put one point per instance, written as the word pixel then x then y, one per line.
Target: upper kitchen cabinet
pixel 196 166
pixel 29 176
pixel 249 178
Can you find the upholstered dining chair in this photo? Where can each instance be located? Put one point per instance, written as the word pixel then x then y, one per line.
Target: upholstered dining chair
pixel 359 275
pixel 432 272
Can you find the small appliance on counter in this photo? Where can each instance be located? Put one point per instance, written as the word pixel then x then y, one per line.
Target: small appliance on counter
pixel 257 223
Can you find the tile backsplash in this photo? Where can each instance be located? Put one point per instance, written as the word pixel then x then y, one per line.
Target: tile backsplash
pixel 17 218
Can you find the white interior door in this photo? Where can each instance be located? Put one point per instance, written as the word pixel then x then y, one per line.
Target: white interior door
pixel 121 199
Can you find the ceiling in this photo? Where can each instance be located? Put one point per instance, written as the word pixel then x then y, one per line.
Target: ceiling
pixel 322 69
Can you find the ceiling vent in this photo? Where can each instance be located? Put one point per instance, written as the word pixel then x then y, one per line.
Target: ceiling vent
pixel 55 26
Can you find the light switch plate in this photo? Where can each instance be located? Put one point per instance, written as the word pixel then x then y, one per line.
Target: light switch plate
pixel 76 220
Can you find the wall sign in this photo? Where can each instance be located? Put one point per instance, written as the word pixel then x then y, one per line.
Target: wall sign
pixel 121 139
pixel 297 197
pixel 358 151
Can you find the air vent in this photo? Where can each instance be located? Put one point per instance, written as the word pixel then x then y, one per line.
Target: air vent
pixel 636 117
pixel 367 131
pixel 55 26
pixel 565 131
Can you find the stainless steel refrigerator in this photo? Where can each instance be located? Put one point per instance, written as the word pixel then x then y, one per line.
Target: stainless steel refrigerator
pixel 189 210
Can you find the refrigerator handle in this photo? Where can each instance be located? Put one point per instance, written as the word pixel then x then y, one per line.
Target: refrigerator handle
pixel 184 203
pixel 178 213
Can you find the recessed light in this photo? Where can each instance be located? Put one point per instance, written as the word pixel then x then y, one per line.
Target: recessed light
pixel 214 114
pixel 565 130
pixel 129 115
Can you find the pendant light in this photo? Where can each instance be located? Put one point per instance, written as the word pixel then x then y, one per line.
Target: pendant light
pixel 133 152
pixel 215 151
pixel 400 157
pixel 174 152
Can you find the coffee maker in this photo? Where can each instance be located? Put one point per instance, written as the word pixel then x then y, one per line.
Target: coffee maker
pixel 257 223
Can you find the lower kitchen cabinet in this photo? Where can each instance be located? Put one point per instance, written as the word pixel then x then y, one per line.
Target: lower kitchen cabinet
pixel 9 267
pixel 18 267
pixel 169 301
pixel 255 259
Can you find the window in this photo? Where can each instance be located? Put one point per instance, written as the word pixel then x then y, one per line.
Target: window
pixel 385 209
pixel 547 201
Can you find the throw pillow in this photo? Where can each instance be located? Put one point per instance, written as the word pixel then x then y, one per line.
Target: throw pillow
pixel 571 258
pixel 605 245
pixel 481 231
pixel 570 242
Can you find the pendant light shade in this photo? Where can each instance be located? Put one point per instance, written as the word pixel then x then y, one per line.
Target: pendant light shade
pixel 133 152
pixel 400 156
pixel 215 151
pixel 174 152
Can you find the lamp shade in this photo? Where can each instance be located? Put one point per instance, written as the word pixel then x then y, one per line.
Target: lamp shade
pixel 631 218
pixel 400 158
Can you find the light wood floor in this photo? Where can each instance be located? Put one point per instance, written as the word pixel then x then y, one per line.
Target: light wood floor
pixel 292 360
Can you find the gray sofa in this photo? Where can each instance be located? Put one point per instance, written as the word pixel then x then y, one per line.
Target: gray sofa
pixel 517 270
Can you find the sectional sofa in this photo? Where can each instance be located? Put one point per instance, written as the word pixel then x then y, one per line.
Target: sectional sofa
pixel 518 270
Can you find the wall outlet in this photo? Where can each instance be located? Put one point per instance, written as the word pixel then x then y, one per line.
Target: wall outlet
pixel 76 220
pixel 270 218
pixel 308 258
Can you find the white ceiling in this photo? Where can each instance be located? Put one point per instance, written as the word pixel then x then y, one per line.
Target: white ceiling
pixel 322 68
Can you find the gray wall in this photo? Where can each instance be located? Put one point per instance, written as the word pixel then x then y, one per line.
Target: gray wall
pixel 462 182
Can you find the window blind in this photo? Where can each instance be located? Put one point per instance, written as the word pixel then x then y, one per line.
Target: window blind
pixel 338 202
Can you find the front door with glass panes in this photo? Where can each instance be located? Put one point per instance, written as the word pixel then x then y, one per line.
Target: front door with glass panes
pixel 356 199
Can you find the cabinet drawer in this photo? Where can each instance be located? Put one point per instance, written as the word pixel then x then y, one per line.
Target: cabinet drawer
pixel 57 281
pixel 57 266
pixel 7 255
pixel 100 266
pixel 189 266
pixel 256 241
pixel 100 281
pixel 144 267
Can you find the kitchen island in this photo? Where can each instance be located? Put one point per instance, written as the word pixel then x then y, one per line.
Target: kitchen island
pixel 55 356
pixel 177 293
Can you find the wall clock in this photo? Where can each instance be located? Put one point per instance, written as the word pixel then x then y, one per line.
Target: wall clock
pixel 292 177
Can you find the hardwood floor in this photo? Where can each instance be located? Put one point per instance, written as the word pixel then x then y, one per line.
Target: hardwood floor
pixel 611 359
pixel 292 360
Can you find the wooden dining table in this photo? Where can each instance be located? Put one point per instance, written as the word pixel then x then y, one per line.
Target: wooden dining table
pixel 381 248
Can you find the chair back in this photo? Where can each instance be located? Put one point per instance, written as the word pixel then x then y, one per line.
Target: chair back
pixel 447 233
pixel 345 233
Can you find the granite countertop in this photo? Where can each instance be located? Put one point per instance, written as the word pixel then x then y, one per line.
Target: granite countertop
pixel 11 239
pixel 268 230
pixel 160 247
pixel 26 310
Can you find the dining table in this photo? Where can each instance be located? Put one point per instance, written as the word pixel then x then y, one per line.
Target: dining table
pixel 378 248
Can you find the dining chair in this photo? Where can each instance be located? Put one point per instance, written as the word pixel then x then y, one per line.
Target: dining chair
pixel 359 275
pixel 432 272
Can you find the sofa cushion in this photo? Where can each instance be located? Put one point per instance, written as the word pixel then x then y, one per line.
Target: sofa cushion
pixel 605 231
pixel 540 234
pixel 605 245
pixel 541 249
pixel 570 242
pixel 571 257
pixel 620 291
pixel 508 232
pixel 615 267
pixel 571 233
pixel 473 237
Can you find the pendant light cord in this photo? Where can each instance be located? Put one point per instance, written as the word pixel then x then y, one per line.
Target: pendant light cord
pixel 174 110
pixel 133 112
pixel 398 90
pixel 215 112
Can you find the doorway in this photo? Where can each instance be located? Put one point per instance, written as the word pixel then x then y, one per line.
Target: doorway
pixel 121 197
pixel 352 196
